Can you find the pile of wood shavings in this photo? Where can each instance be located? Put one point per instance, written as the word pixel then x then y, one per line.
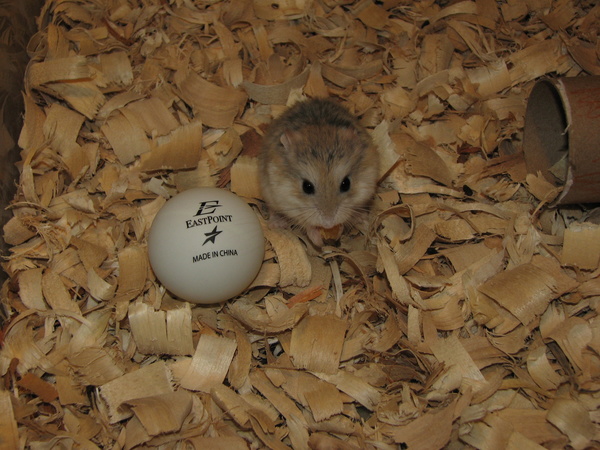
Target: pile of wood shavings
pixel 468 316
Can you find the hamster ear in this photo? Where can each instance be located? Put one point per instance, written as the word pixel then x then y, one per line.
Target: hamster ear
pixel 287 139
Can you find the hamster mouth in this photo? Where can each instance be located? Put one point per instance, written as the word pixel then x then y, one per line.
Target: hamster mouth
pixel 331 234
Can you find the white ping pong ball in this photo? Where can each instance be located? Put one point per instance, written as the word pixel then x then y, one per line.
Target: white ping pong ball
pixel 206 245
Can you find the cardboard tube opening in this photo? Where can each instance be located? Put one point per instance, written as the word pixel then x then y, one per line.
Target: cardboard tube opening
pixel 561 139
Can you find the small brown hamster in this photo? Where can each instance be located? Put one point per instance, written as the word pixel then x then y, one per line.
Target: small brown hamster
pixel 318 169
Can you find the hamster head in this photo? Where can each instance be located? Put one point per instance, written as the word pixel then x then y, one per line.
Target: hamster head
pixel 324 175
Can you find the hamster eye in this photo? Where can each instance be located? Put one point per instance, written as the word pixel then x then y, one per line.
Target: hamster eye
pixel 345 185
pixel 308 187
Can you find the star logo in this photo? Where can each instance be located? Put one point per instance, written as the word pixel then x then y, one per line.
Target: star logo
pixel 211 235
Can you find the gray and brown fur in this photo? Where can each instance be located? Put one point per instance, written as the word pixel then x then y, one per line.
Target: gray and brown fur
pixel 317 141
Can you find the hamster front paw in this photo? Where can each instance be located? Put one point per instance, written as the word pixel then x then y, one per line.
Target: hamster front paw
pixel 319 235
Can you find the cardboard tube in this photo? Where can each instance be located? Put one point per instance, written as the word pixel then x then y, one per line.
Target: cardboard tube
pixel 562 136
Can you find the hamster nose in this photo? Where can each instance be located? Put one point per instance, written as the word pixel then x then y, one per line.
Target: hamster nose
pixel 328 221
pixel 328 217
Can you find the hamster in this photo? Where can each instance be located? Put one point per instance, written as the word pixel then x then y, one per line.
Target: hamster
pixel 318 169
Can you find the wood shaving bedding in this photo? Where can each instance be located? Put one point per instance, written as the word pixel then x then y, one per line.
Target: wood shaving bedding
pixel 467 316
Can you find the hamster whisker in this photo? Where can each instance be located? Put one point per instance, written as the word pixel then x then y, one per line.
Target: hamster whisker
pixel 305 220
pixel 299 211
pixel 302 216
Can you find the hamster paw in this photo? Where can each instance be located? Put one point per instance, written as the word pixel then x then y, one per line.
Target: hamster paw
pixel 320 235
pixel 314 234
